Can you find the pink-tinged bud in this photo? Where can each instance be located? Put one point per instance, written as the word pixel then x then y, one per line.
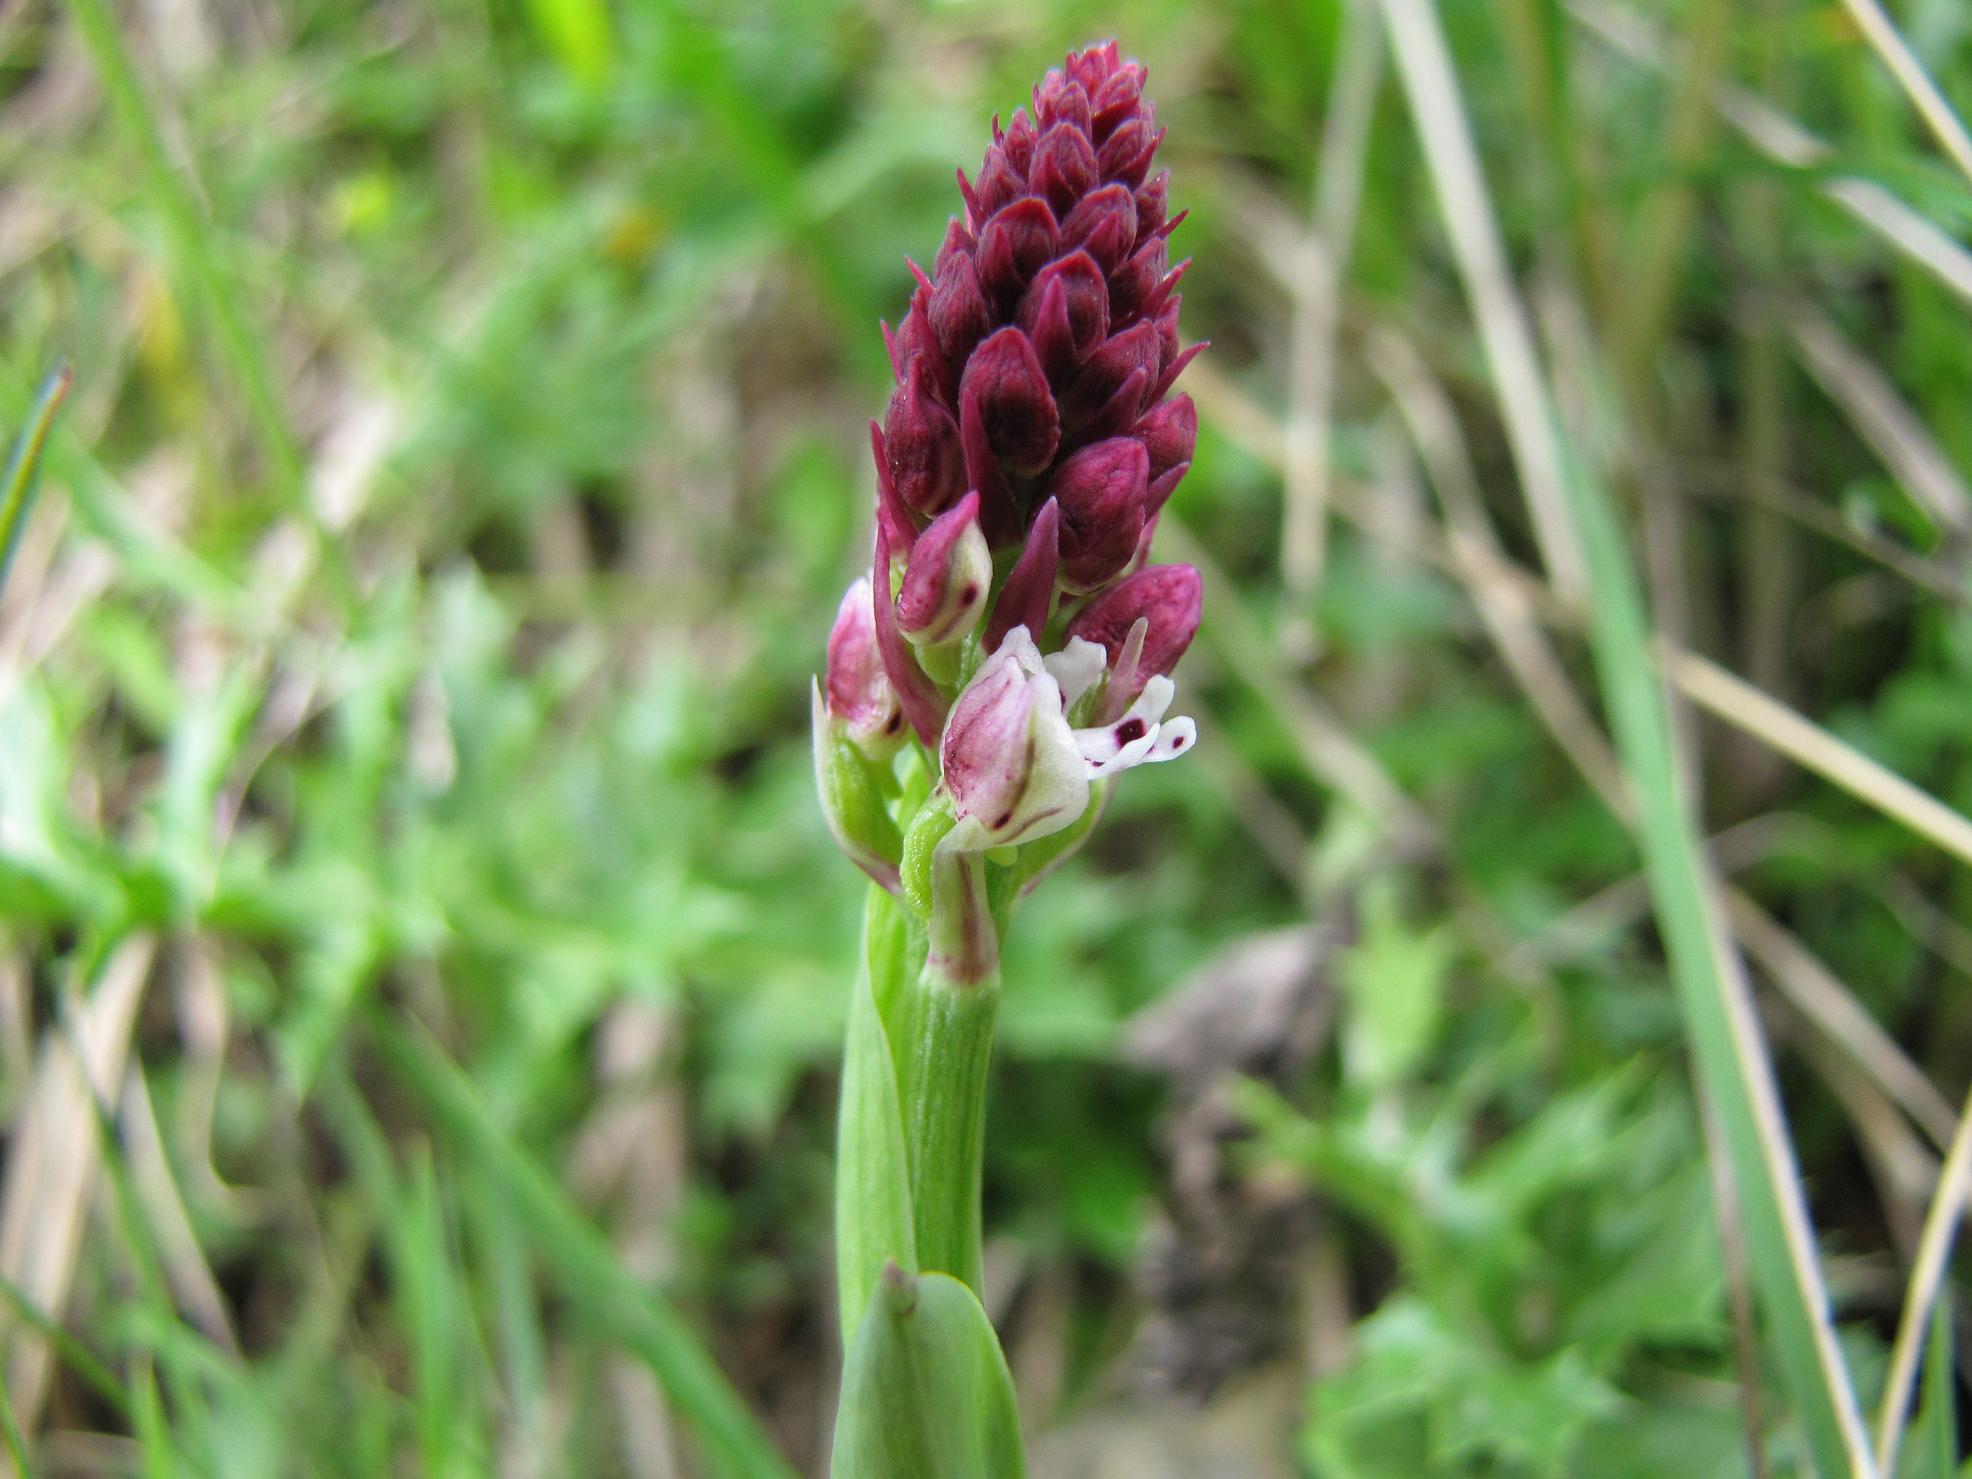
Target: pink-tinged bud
pixel 1027 599
pixel 1010 762
pixel 946 581
pixel 1101 492
pixel 1064 167
pixel 859 693
pixel 1167 598
pixel 1015 244
pixel 1066 312
pixel 1104 225
pixel 921 444
pixel 1007 389
pixel 922 703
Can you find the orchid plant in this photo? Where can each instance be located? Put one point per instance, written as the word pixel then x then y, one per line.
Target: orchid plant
pixel 1007 657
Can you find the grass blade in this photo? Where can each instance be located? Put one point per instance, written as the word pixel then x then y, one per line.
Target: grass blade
pixel 24 465
pixel 582 1259
pixel 1724 1033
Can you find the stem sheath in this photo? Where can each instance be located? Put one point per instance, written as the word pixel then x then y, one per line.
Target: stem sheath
pixel 951 1049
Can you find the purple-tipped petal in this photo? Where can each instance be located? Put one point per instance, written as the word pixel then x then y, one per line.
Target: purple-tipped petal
pixel 1027 599
pixel 893 515
pixel 858 688
pixel 922 703
pixel 945 584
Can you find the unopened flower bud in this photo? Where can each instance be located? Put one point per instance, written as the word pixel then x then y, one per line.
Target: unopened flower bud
pixel 1009 759
pixel 1167 600
pixel 921 443
pixel 946 580
pixel 860 697
pixel 1027 599
pixel 1101 492
pixel 1170 434
pixel 852 803
pixel 1007 390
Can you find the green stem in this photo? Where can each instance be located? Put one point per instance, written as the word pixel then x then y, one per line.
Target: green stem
pixel 950 1051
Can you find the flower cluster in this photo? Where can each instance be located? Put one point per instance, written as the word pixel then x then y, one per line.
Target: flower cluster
pixel 1009 620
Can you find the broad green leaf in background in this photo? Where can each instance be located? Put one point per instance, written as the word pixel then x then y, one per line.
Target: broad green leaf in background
pixel 926 1393
pixel 1394 978
pixel 872 1182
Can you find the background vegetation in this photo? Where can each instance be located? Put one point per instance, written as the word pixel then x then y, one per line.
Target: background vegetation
pixel 404 790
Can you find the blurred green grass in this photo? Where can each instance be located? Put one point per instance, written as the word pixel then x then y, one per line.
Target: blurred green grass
pixel 465 456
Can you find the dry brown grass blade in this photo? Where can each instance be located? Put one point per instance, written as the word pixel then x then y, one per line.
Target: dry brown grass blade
pixel 1881 419
pixel 1781 139
pixel 1807 743
pixel 1321 260
pixel 1923 93
pixel 1821 997
pixel 54 1158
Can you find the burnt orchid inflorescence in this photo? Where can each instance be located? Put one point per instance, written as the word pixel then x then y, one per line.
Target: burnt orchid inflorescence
pixel 1009 653
pixel 1009 620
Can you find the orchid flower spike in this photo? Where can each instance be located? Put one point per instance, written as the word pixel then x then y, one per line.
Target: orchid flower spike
pixel 1032 438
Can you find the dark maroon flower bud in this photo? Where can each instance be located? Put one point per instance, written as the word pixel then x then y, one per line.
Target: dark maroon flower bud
pixel 1000 182
pixel 1066 313
pixel 893 515
pixel 921 444
pixel 1006 388
pixel 1133 286
pixel 957 239
pixel 1101 491
pixel 1115 100
pixel 1153 203
pixel 1104 225
pixel 1060 100
pixel 945 583
pixel 1169 433
pixel 958 311
pixel 1167 599
pixel 1126 154
pixel 1014 245
pixel 1064 167
pixel 1027 599
pixel 1019 140
pixel 1136 349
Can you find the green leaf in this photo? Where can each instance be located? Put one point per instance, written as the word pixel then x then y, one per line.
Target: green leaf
pixel 1394 978
pixel 926 1394
pixel 1930 1447
pixel 872 1182
pixel 582 1261
pixel 24 465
